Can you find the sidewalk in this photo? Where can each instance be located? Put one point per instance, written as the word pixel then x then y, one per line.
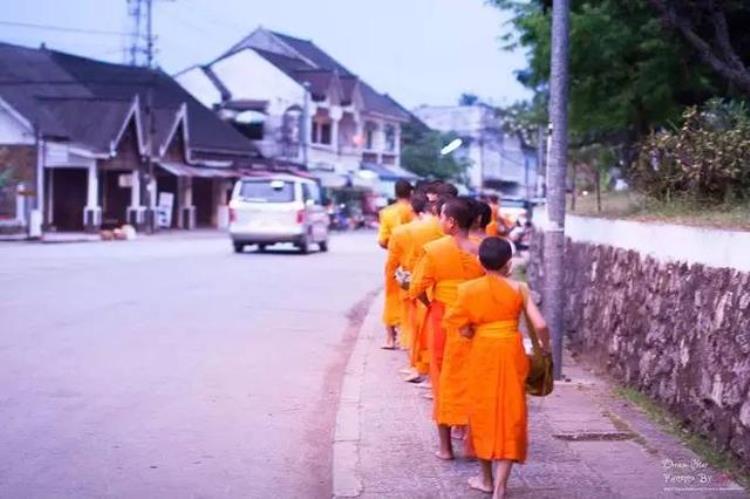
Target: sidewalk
pixel 584 442
pixel 83 237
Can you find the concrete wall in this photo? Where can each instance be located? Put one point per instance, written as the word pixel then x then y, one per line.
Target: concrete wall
pixel 660 308
pixel 247 75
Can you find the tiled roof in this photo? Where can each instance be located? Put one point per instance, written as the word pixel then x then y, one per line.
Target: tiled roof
pixel 382 104
pixel 319 81
pixel 207 131
pixel 311 57
pixel 348 84
pixel 87 121
pixel 312 52
pixel 289 65
pixel 61 92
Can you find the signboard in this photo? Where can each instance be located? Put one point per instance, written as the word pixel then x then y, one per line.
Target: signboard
pixel 164 209
pixel 125 180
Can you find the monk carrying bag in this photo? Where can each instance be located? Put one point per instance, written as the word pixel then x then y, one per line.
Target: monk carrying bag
pixel 540 380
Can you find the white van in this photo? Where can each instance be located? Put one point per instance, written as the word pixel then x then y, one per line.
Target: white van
pixel 277 208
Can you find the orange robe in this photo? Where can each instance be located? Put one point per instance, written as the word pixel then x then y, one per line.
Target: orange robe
pixel 491 229
pixel 422 232
pixel 399 247
pixel 497 367
pixel 391 217
pixel 442 267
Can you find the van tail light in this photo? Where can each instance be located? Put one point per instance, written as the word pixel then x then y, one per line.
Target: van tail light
pixel 232 215
pixel 300 217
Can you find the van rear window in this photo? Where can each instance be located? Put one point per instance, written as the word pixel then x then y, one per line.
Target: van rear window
pixel 267 191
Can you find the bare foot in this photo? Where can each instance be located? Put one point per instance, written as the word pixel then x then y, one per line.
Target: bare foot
pixel 406 370
pixel 445 456
pixel 499 493
pixel 388 346
pixel 428 396
pixel 413 378
pixel 477 483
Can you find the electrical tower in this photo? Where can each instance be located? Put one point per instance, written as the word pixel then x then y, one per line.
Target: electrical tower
pixel 141 49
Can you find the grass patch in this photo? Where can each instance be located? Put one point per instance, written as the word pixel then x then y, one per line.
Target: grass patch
pixel 633 206
pixel 718 459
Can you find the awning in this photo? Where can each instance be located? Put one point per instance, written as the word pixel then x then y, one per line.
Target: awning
pixel 330 180
pixel 389 172
pixel 183 170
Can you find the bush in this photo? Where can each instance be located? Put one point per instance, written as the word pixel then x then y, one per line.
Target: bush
pixel 706 160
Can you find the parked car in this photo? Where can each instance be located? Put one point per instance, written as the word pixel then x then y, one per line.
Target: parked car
pixel 277 209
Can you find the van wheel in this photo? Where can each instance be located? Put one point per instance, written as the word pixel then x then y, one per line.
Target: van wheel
pixel 304 246
pixel 238 247
pixel 323 246
pixel 261 248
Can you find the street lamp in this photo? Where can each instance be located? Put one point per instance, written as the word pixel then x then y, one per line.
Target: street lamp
pixel 452 146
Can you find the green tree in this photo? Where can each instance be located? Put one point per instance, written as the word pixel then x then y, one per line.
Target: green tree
pixel 628 74
pixel 716 31
pixel 420 153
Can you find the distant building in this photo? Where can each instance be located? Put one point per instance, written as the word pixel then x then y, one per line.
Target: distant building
pixel 297 103
pixel 498 161
pixel 74 146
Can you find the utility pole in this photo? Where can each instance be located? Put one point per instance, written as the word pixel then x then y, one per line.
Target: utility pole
pixel 306 122
pixel 554 232
pixel 142 52
pixel 150 177
pixel 149 34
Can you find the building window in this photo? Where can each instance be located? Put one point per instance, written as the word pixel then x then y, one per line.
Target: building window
pixel 370 129
pixel 321 132
pixel 390 138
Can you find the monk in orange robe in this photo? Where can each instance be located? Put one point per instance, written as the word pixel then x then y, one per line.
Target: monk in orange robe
pixel 400 250
pixel 444 264
pixel 391 217
pixel 422 231
pixel 499 225
pixel 487 311
pixel 482 218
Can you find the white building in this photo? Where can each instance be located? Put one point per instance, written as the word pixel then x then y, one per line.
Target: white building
pixel 299 104
pixel 498 161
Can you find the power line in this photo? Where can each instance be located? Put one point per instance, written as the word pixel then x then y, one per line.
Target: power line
pixel 49 27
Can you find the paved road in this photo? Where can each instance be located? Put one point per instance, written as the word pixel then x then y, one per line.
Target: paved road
pixel 170 367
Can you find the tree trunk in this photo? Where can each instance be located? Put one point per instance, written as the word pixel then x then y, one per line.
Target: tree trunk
pixel 554 232
pixel 598 180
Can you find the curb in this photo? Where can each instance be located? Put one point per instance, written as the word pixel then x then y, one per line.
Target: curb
pixel 347 481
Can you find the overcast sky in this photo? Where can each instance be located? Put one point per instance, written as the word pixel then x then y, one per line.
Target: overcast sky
pixel 419 51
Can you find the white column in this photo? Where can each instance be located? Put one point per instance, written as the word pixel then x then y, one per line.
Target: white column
pixel 92 213
pixel 335 135
pixel 187 209
pixel 188 192
pixel 136 212
pixel 92 188
pixel 135 190
pixel 21 203
pixel 49 204
pixel 36 218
